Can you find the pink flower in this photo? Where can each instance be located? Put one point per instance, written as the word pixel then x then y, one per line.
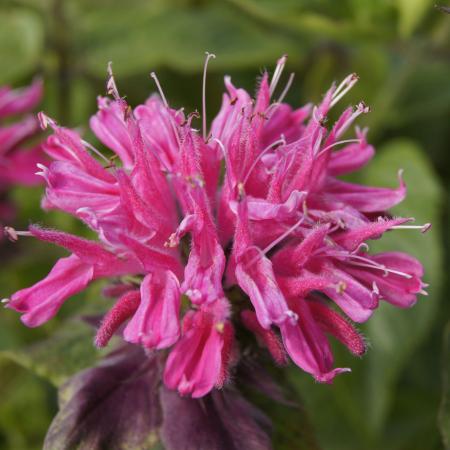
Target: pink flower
pixel 271 248
pixel 18 164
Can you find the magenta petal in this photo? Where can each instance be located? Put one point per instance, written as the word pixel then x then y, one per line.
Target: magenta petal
pixel 307 345
pixel 350 158
pixel 255 276
pixel 353 238
pixel 364 198
pixel 400 288
pixel 355 299
pixel 41 302
pixel 12 135
pixel 155 324
pixel 194 364
pixel 18 101
pixel 260 209
pixel 110 128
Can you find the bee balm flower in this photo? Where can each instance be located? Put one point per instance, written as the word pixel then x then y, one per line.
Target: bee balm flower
pixel 17 164
pixel 279 247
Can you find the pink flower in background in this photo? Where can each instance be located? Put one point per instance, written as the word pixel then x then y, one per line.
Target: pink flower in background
pixel 17 162
pixel 279 247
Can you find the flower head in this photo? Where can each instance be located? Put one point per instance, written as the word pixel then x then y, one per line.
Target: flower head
pixel 17 164
pixel 279 247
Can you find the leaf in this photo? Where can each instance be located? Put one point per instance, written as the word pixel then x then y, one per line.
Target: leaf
pixel 25 409
pixel 411 13
pixel 331 20
pixel 112 406
pixel 390 329
pixel 21 43
pixel 363 399
pixel 174 36
pixel 65 352
pixel 444 411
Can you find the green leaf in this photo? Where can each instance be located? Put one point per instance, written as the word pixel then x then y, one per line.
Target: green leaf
pixel 329 20
pixel 444 411
pixel 411 13
pixel 174 36
pixel 65 352
pixel 396 334
pixel 21 43
pixel 363 399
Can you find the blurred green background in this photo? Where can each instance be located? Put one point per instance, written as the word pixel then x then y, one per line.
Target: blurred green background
pixel 397 395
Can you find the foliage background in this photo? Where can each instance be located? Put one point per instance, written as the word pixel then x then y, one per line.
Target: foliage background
pixel 396 397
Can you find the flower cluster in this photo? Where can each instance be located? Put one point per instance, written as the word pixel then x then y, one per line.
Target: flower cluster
pixel 17 165
pixel 245 225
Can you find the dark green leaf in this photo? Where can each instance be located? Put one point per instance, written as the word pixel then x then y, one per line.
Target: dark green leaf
pixel 67 351
pixel 444 412
pixel 176 37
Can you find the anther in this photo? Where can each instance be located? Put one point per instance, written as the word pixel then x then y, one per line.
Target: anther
pixel 13 235
pixel 423 228
pixel 5 301
pixel 45 121
pixel 111 87
pixel 341 287
pixel 220 326
pixel 292 316
pixel 277 74
pixel 343 88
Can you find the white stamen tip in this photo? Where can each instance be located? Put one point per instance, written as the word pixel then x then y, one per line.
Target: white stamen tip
pixel 423 228
pixel 45 121
pixel 205 69
pixel 375 289
pixel 11 234
pixel 277 74
pixel 292 316
pixel 347 83
pixel 426 228
pixel 5 300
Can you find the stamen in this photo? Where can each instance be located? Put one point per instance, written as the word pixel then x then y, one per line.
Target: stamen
pixel 361 261
pixel 97 152
pixel 361 247
pixel 287 87
pixel 13 235
pixel 343 88
pixel 345 141
pixel 283 236
pixel 375 289
pixel 5 300
pixel 161 93
pixel 361 108
pixel 277 143
pixel 111 87
pixel 341 287
pixel 43 172
pixel 385 269
pixel 45 121
pixel 292 316
pixel 423 228
pixel 166 104
pixel 205 68
pixel 277 74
